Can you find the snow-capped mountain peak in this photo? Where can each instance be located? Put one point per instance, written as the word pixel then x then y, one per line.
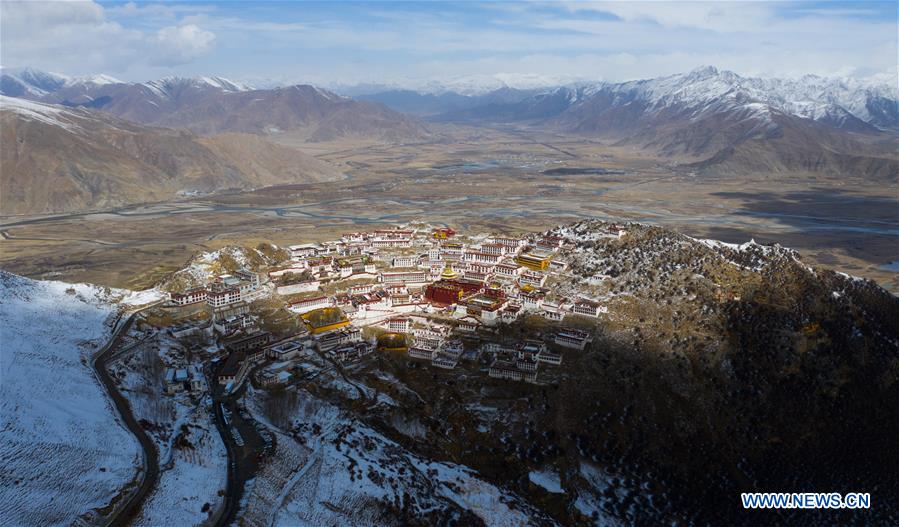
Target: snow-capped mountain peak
pixel 224 84
pixel 166 86
pixel 28 81
pixel 836 100
pixel 97 80
pixel 36 84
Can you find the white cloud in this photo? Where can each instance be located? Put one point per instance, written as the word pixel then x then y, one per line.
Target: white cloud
pixel 16 15
pixel 608 40
pixel 243 25
pixel 716 16
pixel 77 37
pixel 182 44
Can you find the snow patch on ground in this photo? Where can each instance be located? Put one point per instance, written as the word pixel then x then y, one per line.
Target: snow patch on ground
pixel 590 501
pixel 547 479
pixel 142 298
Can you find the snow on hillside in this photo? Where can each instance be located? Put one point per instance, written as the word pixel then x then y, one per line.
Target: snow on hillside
pixel 35 111
pixel 168 86
pixel 331 469
pixel 192 457
pixel 62 451
pixel 224 84
pixel 141 298
pixel 97 80
pixel 193 477
pixel 206 266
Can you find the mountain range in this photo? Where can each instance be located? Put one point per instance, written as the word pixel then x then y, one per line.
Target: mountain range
pixel 802 96
pixel 211 105
pixel 96 141
pixel 709 120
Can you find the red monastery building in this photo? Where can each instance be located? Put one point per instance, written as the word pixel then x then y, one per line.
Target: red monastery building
pixel 451 291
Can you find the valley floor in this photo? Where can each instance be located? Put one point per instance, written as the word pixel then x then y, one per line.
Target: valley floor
pixel 505 181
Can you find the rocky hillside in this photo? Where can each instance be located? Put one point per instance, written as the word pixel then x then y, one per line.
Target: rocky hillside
pixel 719 369
pixel 58 159
pixel 747 370
pixel 206 266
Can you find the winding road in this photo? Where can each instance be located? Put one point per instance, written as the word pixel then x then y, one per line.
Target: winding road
pixel 241 461
pixel 123 514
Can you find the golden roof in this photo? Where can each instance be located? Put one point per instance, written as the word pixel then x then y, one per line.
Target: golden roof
pixel 324 316
pixel 448 273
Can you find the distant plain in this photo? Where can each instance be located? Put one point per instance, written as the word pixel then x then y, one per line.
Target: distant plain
pixel 479 179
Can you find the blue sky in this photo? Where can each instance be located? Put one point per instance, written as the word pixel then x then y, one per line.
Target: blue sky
pixel 411 43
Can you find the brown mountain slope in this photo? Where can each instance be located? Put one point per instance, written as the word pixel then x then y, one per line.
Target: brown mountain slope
pixel 792 146
pixel 319 114
pixel 267 163
pixel 54 159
